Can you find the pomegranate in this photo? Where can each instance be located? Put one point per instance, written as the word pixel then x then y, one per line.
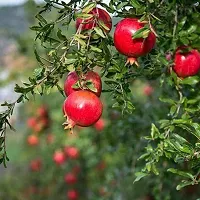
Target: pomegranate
pixel 148 90
pixel 31 122
pixel 82 108
pixel 71 152
pixel 59 157
pixel 32 140
pixel 36 165
pixel 99 125
pixel 98 15
pixel 168 56
pixel 42 111
pixel 186 63
pixel 72 195
pixel 73 78
pixel 126 45
pixel 70 178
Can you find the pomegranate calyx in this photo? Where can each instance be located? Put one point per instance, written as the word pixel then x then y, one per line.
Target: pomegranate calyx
pixel 131 61
pixel 69 124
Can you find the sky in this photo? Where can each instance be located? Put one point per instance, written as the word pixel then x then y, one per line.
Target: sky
pixel 17 2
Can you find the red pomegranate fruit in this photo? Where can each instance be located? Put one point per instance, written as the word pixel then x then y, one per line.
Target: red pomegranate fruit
pixel 72 195
pixel 71 152
pixel 82 108
pixel 186 63
pixel 32 140
pixel 35 165
pixel 70 178
pixel 148 90
pixel 31 122
pixel 42 111
pixel 98 15
pixel 126 45
pixel 91 76
pixel 99 125
pixel 59 157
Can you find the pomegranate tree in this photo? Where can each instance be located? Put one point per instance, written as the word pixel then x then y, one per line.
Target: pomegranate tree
pixel 186 62
pixel 90 81
pixel 129 46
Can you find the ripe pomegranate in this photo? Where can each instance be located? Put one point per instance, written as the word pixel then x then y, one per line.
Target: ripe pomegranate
pixel 126 45
pixel 42 111
pixel 73 77
pixel 72 195
pixel 59 157
pixel 33 140
pixel 99 125
pixel 70 178
pixel 36 165
pixel 186 63
pixel 31 122
pixel 71 152
pixel 99 15
pixel 82 108
pixel 148 90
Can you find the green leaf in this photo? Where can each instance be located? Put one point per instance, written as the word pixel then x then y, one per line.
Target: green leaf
pixel 183 184
pixel 192 80
pixel 139 176
pixel 101 23
pixel 135 3
pixel 179 138
pixel 38 72
pixel 36 28
pixel 69 61
pixel 192 29
pixel 141 33
pixel 60 35
pixel 182 23
pixel 41 19
pixel 89 7
pixel 95 49
pixel 130 106
pixel 99 32
pixel 121 5
pixel 77 85
pixel 38 57
pixel 154 132
pixel 90 85
pixel 181 173
pixel 84 16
